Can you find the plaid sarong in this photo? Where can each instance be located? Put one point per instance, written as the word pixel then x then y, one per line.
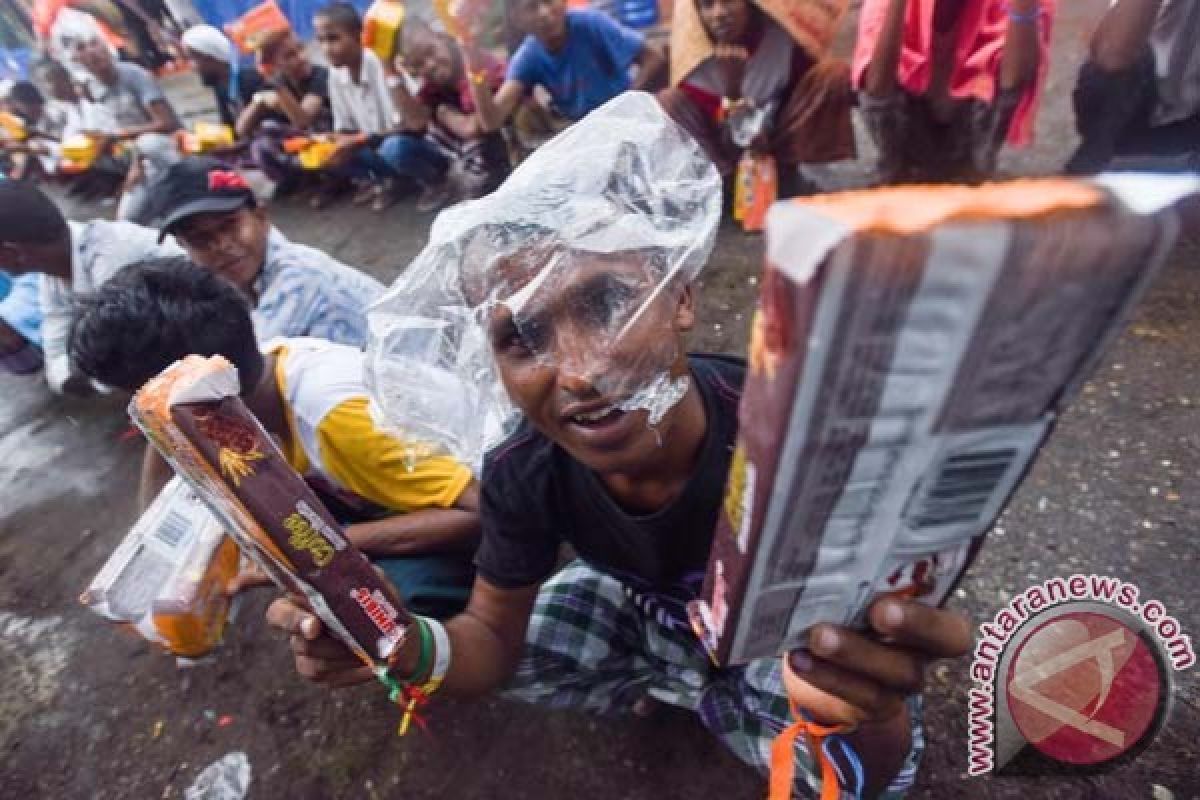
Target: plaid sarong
pixel 590 647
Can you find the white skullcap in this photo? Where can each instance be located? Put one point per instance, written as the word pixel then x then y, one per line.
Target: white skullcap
pixel 211 42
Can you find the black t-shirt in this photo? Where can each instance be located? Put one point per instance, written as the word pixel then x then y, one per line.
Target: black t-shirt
pixel 535 496
pixel 317 83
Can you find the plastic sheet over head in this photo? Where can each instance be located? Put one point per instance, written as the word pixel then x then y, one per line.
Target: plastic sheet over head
pixel 577 263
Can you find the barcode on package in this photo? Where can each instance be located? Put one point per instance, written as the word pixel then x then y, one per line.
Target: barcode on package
pixel 962 488
pixel 174 529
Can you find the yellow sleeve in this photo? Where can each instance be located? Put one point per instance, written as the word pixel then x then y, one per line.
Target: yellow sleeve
pixel 372 463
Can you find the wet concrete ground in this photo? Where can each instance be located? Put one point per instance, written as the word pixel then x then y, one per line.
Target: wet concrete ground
pixel 89 712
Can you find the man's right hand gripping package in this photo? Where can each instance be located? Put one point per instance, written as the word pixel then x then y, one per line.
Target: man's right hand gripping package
pixel 911 352
pixel 192 413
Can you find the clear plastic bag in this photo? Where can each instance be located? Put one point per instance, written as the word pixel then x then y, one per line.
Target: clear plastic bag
pixel 574 255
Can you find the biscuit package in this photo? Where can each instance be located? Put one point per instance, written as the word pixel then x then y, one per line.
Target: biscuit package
pixel 192 413
pixel 911 352
pixel 166 578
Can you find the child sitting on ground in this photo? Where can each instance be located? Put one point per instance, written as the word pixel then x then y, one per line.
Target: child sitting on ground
pixel 745 77
pixel 364 115
pixel 447 151
pixel 943 83
pixel 580 269
pixel 582 58
pixel 416 517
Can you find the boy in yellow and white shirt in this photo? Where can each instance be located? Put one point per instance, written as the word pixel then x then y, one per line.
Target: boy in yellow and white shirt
pixel 415 516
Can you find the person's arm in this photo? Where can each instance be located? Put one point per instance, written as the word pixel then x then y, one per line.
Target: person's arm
pixel 486 642
pixel 651 65
pixel 414 114
pixel 464 126
pixel 492 107
pixel 862 680
pixel 156 473
pixel 1123 33
pixel 434 530
pixel 162 120
pixel 1022 44
pixel 880 79
pixel 251 115
pixel 56 328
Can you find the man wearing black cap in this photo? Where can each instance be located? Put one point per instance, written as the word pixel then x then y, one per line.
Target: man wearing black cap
pixel 296 290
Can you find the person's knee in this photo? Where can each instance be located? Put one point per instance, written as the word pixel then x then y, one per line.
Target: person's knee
pixel 400 149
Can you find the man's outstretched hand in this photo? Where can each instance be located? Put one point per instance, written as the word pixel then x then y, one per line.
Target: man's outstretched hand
pixel 318 655
pixel 856 677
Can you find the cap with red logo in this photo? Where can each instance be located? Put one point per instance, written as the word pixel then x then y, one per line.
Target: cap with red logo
pixel 198 185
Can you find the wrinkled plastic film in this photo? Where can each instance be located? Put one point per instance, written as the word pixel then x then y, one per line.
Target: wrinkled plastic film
pixel 578 261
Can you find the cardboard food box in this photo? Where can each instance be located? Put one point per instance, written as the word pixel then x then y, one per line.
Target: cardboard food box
pixel 167 578
pixel 912 350
pixel 193 415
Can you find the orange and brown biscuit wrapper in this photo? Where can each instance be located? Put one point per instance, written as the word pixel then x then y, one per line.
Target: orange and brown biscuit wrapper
pixel 193 415
pixel 911 352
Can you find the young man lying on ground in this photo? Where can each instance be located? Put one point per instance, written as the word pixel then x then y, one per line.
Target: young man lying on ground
pixel 75 257
pixel 1138 94
pixel 447 151
pixel 294 290
pixel 417 520
pixel 733 62
pixel 580 266
pixel 581 58
pixel 943 83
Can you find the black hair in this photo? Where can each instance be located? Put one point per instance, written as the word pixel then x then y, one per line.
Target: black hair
pixel 25 93
pixel 155 312
pixel 27 216
pixel 46 65
pixel 343 15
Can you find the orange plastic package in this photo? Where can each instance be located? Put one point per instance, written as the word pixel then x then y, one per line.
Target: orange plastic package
pixel 252 27
pixel 166 579
pixel 755 188
pixel 381 28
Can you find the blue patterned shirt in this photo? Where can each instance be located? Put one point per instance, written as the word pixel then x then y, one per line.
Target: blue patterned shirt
pixel 302 291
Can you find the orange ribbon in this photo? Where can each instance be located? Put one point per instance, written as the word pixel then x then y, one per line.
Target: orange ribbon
pixel 783 757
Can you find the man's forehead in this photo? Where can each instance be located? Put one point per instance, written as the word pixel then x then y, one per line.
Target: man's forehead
pixel 551 273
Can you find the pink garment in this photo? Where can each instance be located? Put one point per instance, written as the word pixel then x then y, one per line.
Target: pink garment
pixel 978 54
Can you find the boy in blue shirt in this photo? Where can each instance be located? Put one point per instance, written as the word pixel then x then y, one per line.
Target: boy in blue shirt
pixel 581 58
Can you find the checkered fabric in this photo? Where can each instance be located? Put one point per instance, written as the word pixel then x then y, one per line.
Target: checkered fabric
pixel 590 648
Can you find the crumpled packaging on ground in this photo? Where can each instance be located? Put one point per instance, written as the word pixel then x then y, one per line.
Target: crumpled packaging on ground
pixel 193 415
pixel 911 352
pixel 167 577
pixel 575 250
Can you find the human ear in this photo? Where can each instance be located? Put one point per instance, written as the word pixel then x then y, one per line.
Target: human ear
pixel 685 311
